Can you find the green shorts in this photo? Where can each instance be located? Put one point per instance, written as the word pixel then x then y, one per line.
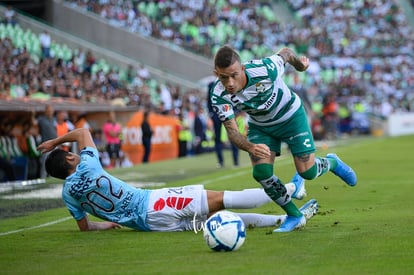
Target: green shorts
pixel 295 132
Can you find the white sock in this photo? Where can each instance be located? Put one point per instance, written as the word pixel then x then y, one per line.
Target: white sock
pixel 290 188
pixel 245 199
pixel 261 220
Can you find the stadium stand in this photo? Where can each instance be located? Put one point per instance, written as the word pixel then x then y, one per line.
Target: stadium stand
pixel 362 48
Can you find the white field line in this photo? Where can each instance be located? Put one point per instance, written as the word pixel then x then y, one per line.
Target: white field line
pixel 224 177
pixel 35 227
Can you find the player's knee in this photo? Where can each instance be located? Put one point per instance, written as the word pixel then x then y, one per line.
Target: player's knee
pixel 262 171
pixel 310 174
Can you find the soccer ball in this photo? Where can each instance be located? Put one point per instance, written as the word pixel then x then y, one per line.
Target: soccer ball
pixel 224 231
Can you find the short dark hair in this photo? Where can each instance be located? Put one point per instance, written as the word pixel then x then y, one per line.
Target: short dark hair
pixel 225 56
pixel 56 164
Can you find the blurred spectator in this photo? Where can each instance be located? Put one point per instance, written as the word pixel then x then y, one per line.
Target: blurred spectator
pixel 184 136
pixel 330 116
pixel 99 141
pixel 345 117
pixel 143 73
pixel 26 158
pixel 360 123
pixel 386 108
pixel 112 133
pixel 47 130
pixel 80 121
pixel 7 171
pixel 5 92
pixel 199 129
pixel 165 99
pixel 146 136
pixel 299 88
pixel 45 43
pixel 89 61
pixel 10 15
pixel 64 126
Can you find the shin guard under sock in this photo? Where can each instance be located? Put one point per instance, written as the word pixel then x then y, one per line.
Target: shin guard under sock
pixel 274 188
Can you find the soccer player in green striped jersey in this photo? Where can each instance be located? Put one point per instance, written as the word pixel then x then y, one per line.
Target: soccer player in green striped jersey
pixel 276 115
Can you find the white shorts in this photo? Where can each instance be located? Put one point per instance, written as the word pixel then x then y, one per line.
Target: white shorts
pixel 177 208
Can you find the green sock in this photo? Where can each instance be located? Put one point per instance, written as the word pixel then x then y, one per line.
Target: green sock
pixel 291 209
pixel 332 163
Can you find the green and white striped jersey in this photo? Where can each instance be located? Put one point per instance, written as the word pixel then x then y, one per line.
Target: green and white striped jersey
pixel 266 98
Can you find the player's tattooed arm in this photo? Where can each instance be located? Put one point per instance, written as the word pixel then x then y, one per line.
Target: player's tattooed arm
pixel 300 63
pixel 236 137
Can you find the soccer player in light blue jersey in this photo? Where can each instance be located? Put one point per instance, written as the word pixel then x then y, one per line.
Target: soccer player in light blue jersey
pixel 276 115
pixel 88 188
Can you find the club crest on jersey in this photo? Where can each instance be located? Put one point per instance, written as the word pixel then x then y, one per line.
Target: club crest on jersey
pixel 260 87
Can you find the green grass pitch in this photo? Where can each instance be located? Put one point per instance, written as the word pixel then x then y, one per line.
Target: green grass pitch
pixel 367 229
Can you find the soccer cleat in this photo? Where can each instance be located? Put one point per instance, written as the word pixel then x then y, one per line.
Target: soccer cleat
pixel 300 191
pixel 343 171
pixel 309 209
pixel 291 223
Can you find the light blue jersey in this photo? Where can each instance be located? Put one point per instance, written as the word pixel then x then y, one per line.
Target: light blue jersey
pixel 91 189
pixel 266 98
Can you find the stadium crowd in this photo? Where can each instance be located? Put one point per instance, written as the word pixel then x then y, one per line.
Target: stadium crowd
pixel 361 50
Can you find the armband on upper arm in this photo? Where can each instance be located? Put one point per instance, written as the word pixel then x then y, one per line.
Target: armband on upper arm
pixel 284 61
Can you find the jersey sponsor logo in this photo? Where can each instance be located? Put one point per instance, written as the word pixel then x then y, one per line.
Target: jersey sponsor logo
pixel 214 99
pixel 269 102
pixel 178 203
pixel 299 135
pixel 235 99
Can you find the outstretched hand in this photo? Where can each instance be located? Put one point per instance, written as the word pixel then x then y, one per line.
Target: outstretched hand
pixel 112 225
pixel 46 146
pixel 106 225
pixel 305 64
